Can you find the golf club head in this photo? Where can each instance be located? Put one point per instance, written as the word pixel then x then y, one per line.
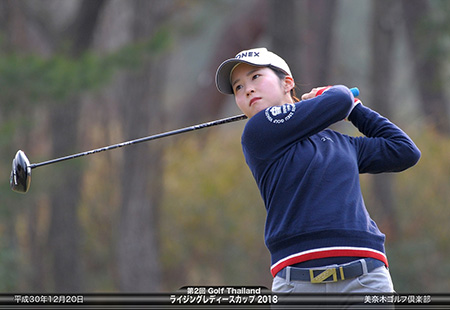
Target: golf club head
pixel 20 179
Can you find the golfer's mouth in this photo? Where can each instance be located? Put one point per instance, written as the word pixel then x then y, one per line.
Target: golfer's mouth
pixel 254 100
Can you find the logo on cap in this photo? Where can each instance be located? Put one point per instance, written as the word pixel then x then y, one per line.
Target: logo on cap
pixel 247 54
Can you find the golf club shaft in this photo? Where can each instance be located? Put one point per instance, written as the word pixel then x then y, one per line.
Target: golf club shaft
pixel 231 119
pixel 144 139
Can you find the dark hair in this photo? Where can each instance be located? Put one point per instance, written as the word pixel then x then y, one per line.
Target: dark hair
pixel 281 75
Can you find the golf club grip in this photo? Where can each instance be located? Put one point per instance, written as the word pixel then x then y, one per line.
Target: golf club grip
pixel 355 91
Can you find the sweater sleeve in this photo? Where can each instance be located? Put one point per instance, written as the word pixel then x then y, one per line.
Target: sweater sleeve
pixel 385 147
pixel 270 132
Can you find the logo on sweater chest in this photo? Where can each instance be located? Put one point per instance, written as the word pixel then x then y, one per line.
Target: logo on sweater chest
pixel 325 139
pixel 280 114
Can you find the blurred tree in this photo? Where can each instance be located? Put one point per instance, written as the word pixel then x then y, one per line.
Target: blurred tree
pixel 316 41
pixel 285 32
pixel 425 35
pixel 26 35
pixel 70 68
pixel 141 112
pixel 64 225
pixel 292 31
pixel 384 23
pixel 304 40
pixel 241 31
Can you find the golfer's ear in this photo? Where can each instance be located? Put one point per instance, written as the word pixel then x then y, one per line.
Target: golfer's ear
pixel 288 83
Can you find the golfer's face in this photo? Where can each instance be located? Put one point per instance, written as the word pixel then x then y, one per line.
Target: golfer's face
pixel 257 88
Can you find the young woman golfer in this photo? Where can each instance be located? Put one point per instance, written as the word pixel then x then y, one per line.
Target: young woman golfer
pixel 318 231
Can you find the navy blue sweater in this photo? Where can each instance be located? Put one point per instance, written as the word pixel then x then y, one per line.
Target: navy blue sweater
pixel 308 176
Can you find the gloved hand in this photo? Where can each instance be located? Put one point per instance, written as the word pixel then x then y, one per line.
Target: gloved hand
pixel 320 90
pixel 315 92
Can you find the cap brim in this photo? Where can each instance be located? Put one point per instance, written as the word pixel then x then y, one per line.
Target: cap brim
pixel 223 76
pixel 223 82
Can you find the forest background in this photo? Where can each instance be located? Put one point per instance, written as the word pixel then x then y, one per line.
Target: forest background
pixel 81 74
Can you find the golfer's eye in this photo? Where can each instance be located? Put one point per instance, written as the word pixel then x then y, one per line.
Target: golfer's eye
pixel 256 76
pixel 238 87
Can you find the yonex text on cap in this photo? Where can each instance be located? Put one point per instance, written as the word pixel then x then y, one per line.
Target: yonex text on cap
pixel 256 57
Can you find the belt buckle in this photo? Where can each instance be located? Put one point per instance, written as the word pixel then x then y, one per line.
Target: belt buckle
pixel 323 276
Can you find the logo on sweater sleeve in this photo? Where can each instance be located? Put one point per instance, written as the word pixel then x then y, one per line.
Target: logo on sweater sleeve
pixel 280 114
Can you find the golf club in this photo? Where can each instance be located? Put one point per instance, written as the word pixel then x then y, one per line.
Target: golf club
pixel 20 179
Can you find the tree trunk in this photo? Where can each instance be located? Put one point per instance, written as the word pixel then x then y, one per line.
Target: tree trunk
pixel 383 30
pixel 138 246
pixel 424 46
pixel 241 32
pixel 141 102
pixel 285 30
pixel 304 40
pixel 65 233
pixel 316 42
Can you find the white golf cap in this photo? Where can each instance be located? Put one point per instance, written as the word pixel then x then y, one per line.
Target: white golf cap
pixel 256 57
